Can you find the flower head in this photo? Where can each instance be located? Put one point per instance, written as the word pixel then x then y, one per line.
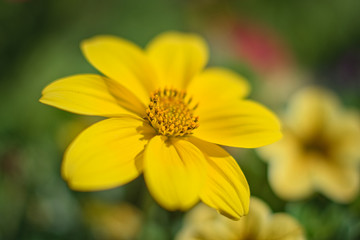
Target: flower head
pixel 319 151
pixel 203 223
pixel 166 113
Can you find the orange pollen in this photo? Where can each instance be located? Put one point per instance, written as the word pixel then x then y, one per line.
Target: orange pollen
pixel 171 113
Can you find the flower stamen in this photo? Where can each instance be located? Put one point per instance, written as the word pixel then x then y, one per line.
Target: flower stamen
pixel 171 113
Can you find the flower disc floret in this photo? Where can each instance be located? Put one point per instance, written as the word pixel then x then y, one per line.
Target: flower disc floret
pixel 171 113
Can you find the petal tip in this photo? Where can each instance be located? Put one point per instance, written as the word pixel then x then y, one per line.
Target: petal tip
pixel 230 216
pixel 41 99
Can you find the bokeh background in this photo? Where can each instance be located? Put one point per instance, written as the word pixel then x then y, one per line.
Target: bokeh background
pixel 279 46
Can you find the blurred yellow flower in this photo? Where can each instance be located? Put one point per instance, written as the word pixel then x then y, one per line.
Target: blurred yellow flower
pixel 319 151
pixel 203 223
pixel 166 115
pixel 112 221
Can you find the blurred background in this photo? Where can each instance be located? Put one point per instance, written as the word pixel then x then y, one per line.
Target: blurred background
pixel 279 46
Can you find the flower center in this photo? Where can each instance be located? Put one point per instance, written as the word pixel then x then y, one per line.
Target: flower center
pixel 171 113
pixel 318 145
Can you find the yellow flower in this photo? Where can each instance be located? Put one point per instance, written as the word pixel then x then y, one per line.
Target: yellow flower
pixel 166 115
pixel 203 223
pixel 320 149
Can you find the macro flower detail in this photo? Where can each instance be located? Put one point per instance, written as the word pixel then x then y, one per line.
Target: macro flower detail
pixel 170 113
pixel 203 223
pixel 319 151
pixel 165 116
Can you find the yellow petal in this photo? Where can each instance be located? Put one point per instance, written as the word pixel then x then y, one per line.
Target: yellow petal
pixel 282 226
pixel 237 123
pixel 126 98
pixel 289 170
pixel 339 182
pixel 177 57
pixel 291 179
pixel 226 188
pixel 215 84
pixel 251 225
pixel 206 222
pixel 123 62
pixel 346 138
pixel 312 112
pixel 107 154
pixel 83 94
pixel 174 172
